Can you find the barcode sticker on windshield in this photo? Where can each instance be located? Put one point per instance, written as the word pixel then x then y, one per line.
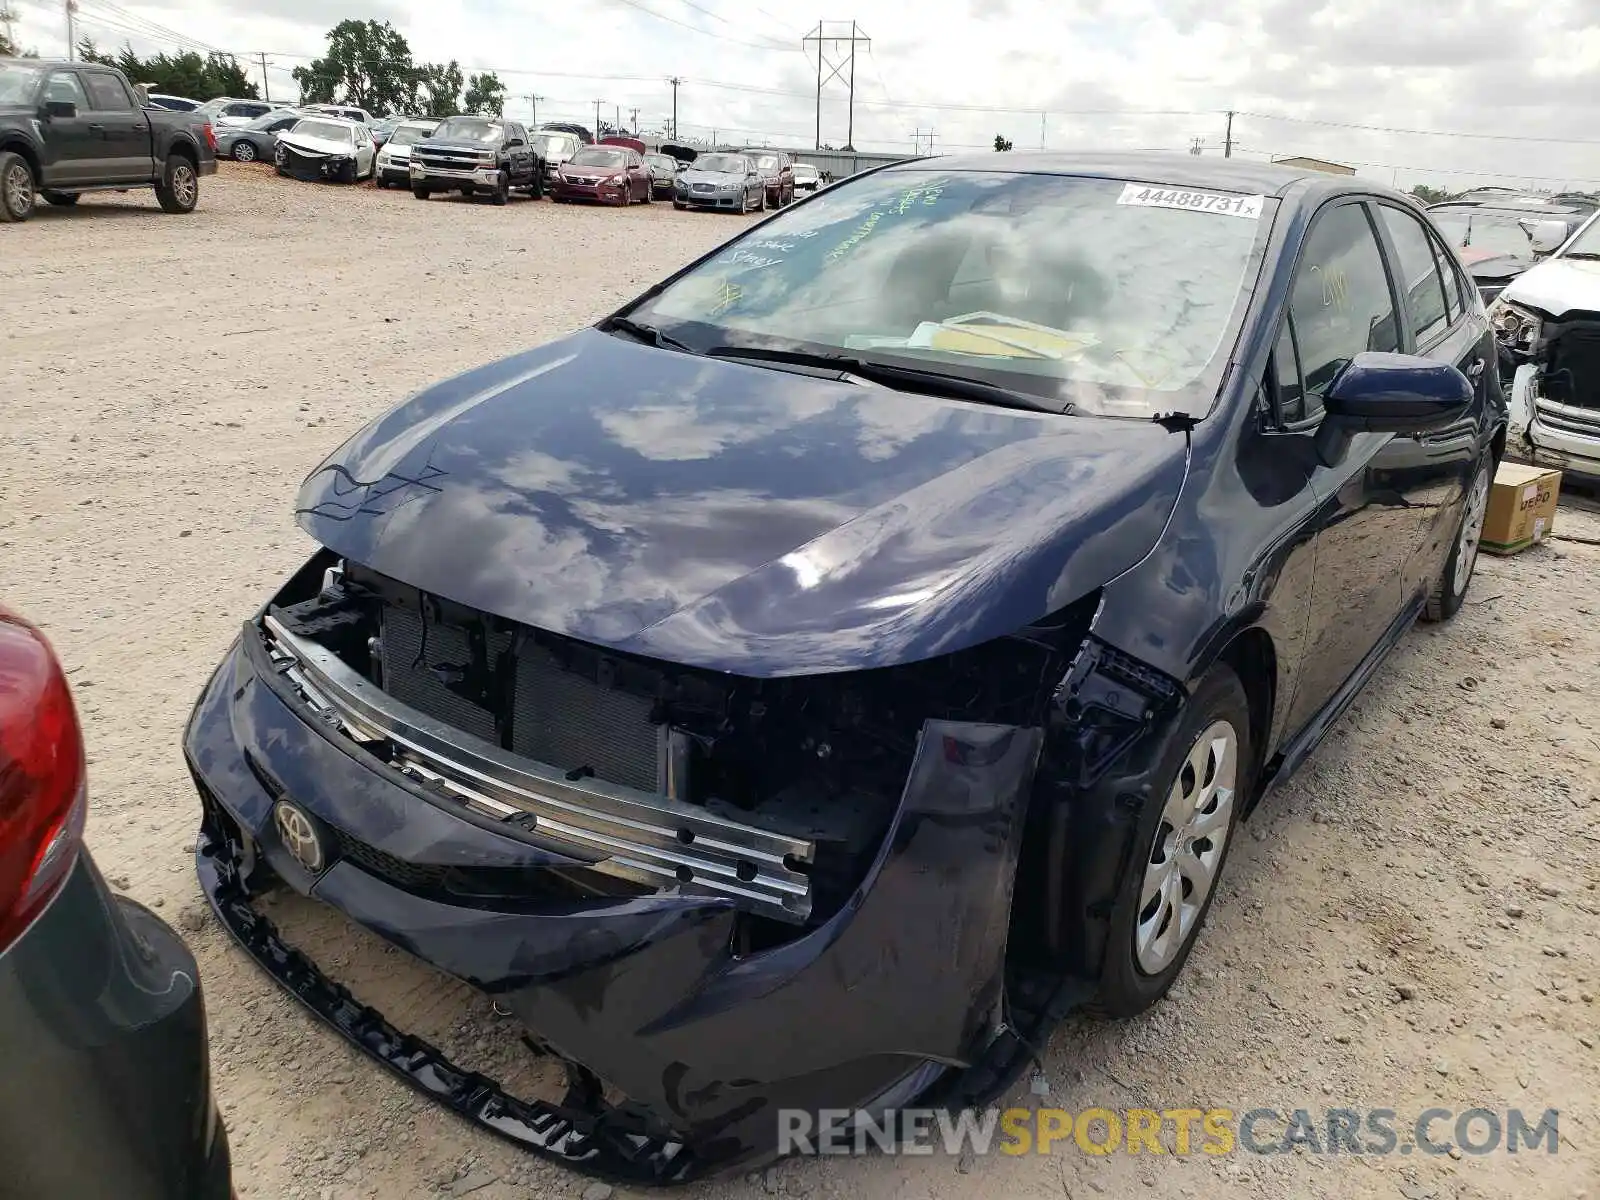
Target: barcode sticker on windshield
pixel 1144 196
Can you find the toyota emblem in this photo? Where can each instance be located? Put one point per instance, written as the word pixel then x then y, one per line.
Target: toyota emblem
pixel 299 834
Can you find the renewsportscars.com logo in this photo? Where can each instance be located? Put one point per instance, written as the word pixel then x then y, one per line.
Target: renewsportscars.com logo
pixel 1175 1131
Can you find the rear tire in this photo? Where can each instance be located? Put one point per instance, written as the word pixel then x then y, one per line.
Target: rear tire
pixel 679 207
pixel 421 193
pixel 1204 777
pixel 1455 577
pixel 61 199
pixel 244 151
pixel 178 189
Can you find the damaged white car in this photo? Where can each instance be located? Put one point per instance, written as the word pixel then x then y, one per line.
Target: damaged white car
pixel 1548 323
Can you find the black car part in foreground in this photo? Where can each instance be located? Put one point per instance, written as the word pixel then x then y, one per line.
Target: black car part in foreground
pixel 107 1085
pixel 803 710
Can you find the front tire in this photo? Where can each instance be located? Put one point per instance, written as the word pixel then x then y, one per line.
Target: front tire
pixel 178 190
pixel 244 151
pixel 421 193
pixel 1181 844
pixel 17 196
pixel 1450 589
pixel 501 195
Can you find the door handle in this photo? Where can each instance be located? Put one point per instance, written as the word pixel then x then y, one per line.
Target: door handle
pixel 97 129
pixel 1475 369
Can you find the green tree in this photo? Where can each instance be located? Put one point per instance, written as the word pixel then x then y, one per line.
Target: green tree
pixel 368 64
pixel 485 94
pixel 185 74
pixel 436 89
pixel 1431 195
pixel 1001 144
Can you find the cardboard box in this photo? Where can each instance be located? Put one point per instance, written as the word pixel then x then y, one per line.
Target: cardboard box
pixel 1522 507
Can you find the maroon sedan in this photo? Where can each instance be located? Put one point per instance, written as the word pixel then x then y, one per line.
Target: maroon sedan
pixel 607 174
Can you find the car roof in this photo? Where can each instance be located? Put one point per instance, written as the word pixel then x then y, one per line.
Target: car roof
pixel 1172 170
pixel 1521 204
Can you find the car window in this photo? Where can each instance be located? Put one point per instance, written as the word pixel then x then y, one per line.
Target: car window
pixel 65 88
pixel 1291 394
pixel 1417 273
pixel 1452 282
pixel 107 93
pixel 1340 301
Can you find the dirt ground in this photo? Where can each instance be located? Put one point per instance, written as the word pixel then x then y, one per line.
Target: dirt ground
pixel 1414 922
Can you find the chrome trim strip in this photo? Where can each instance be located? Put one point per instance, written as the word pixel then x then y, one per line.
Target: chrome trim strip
pixel 657 840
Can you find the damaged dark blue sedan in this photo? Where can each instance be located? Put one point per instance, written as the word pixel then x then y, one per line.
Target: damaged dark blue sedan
pixel 802 688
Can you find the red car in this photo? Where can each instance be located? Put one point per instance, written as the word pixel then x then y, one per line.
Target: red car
pixel 607 174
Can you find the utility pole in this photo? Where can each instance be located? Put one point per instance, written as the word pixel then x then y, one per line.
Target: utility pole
pixel 266 84
pixel 635 114
pixel 1227 141
pixel 72 36
pixel 533 101
pixel 823 39
pixel 674 81
pixel 597 130
pixel 1041 130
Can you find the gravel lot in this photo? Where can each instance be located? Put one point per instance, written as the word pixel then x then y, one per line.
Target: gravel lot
pixel 1414 922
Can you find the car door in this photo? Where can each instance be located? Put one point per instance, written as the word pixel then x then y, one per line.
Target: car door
pixel 1439 464
pixel 123 130
pixel 72 151
pixel 1341 303
pixel 638 175
pixel 521 152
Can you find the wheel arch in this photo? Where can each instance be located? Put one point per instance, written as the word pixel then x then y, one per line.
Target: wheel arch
pixel 184 147
pixel 1252 655
pixel 21 148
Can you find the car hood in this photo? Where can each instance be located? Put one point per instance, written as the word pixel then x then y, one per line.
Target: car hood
pixel 1558 286
pixel 1490 266
pixel 315 145
pixel 461 147
pixel 598 172
pixel 736 517
pixel 723 178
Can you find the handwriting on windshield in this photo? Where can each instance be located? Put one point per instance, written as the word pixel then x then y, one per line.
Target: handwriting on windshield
pixel 909 199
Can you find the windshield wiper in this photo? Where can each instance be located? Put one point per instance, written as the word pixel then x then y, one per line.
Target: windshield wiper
pixel 914 379
pixel 648 334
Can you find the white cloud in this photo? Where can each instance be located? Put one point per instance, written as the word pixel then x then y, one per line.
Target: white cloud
pixel 1524 67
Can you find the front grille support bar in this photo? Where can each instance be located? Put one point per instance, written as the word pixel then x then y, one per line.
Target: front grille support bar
pixel 656 840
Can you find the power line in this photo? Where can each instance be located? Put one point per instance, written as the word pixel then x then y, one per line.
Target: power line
pixel 721 37
pixel 1492 137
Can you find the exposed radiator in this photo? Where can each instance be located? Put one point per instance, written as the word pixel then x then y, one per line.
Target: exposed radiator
pixel 557 717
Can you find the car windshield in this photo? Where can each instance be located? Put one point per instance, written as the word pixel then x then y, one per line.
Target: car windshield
pixel 724 164
pixel 1586 244
pixel 550 145
pixel 1119 298
pixel 18 83
pixel 1493 230
pixel 465 129
pixel 406 135
pixel 593 156
pixel 662 160
pixel 765 162
pixel 327 131
pixel 801 171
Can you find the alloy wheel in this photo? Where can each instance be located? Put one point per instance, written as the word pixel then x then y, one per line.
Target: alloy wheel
pixel 1471 530
pixel 1184 858
pixel 183 185
pixel 19 189
pixel 244 151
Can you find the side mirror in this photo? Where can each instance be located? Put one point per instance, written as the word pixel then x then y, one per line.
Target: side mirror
pixel 1389 393
pixel 1546 237
pixel 64 109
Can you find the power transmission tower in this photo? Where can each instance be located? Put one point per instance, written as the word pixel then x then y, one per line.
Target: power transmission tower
pixel 917 139
pixel 823 38
pixel 674 81
pixel 1197 145
pixel 533 102
pixel 71 7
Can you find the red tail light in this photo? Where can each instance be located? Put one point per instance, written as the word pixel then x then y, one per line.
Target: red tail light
pixel 211 137
pixel 42 798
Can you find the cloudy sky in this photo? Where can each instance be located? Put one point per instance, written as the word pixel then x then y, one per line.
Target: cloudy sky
pixel 1514 84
